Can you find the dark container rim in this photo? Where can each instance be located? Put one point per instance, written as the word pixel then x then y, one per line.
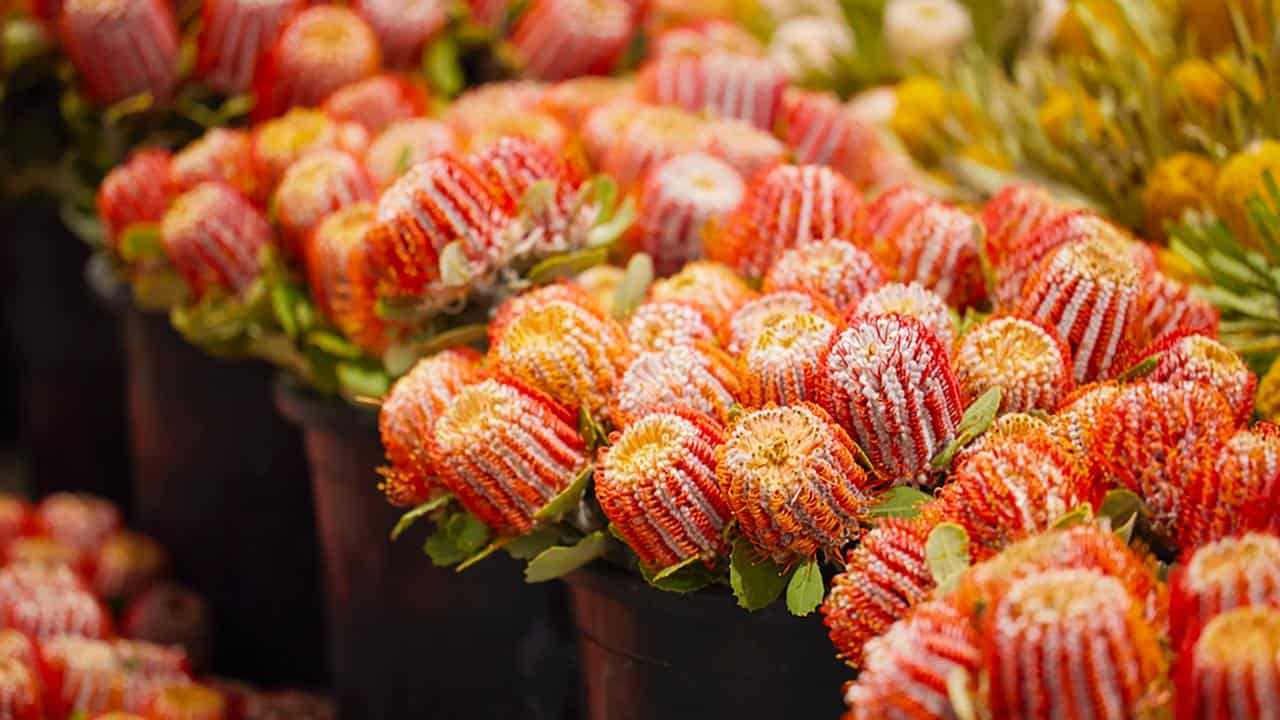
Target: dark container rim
pixel 305 406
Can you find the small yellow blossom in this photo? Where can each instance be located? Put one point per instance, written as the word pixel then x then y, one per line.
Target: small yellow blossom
pixel 1063 109
pixel 1183 181
pixel 1073 35
pixel 920 116
pixel 1210 21
pixel 1268 402
pixel 1197 81
pixel 1241 178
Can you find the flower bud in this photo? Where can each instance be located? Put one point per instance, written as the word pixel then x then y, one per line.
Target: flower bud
pixel 834 270
pixel 214 238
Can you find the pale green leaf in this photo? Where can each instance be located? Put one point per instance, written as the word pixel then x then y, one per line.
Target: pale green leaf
pixel 568 498
pixel 558 561
pixel 806 588
pixel 532 543
pixel 410 517
pixel 903 502
pixel 634 286
pixel 756 581
pixel 977 418
pixel 947 554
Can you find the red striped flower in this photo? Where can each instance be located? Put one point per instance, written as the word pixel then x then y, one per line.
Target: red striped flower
pixel 408 417
pixel 1233 670
pixel 280 142
pixel 1015 273
pixel 318 184
pixel 911 300
pixel 403 28
pixel 1190 356
pixel 834 270
pixel 643 139
pixel 1012 217
pixel 1234 572
pixel 702 37
pixel 44 612
pixel 750 320
pixel 187 702
pixel 820 131
pixel 82 676
pixel 571 101
pixel 1244 491
pixel 559 39
pixel 884 577
pixel 221 154
pixel 560 224
pixel 656 326
pixel 537 298
pixel 405 144
pixel 1029 363
pixel 377 102
pixel 884 218
pixel 604 124
pixel 20 697
pixel 42 549
pixel 791 477
pixel 214 238
pixel 128 564
pixel 234 35
pixel 1076 419
pixel 938 248
pixel 480 105
pixel 657 485
pixel 535 125
pixel 505 451
pixel 1010 426
pixel 1166 305
pixel 781 365
pixel 19 579
pixel 335 257
pixel 138 191
pixel 886 378
pixel 678 199
pixel 698 377
pixel 82 521
pixel 17 647
pixel 745 147
pixel 319 50
pixel 17 518
pixel 121 48
pixel 787 206
pixel 729 86
pixel 711 287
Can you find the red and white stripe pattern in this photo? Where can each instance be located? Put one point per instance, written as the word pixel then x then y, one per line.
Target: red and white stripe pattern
pixel 834 270
pixel 677 200
pixel 1027 362
pixel 377 102
pixel 1014 273
pixel 781 365
pixel 121 48
pixel 921 304
pixel 711 287
pixel 20 697
pixel 820 131
pixel 20 579
pixel 1074 422
pixel 405 144
pixel 214 238
pixel 753 317
pixel 698 377
pixel 728 86
pixel 887 379
pixel 43 612
pixel 938 248
pixel 1247 494
pixel 643 139
pixel 335 257
pixel 505 451
pixel 746 148
pixel 656 326
pixel 883 219
pixel 1194 357
pixel 560 39
pixel 1166 305
pixel 1233 670
pixel 514 165
pixel 220 154
pixel 319 50
pixel 234 34
pixel 1011 218
pixel 657 485
pixel 703 37
pixel 1234 572
pixel 315 186
pixel 403 28
pixel 134 192
pixel 82 676
pixel 514 307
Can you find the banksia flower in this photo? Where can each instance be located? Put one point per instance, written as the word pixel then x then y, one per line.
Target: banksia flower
pixel 644 138
pixel 834 270
pixel 698 377
pixel 408 416
pixel 336 261
pixel 887 379
pixel 820 131
pixel 748 321
pixel 127 564
pixel 729 86
pixel 518 305
pixel 791 477
pixel 1105 661
pixel 745 147
pixel 785 207
pixel 1166 305
pixel 314 187
pixel 20 579
pixel 570 101
pixel 603 126
pixel 1010 426
pixel 884 577
pixel 234 35
pixel 405 144
pixel 559 39
pixel 16 519
pixel 781 366
pixel 1230 573
pixel 1012 217
pixel 478 106
pixel 377 102
pixel 657 485
pixel 656 326
pixel 711 287
pixel 1243 491
pixel 280 142
pixel 20 697
pixel 912 300
pixel 82 521
pixel 678 199
pixel 574 355
pixel 121 48
pixel 42 549
pixel 908 669
pixel 1028 363
pixel 513 165
pixel 43 612
pixel 220 154
pixel 82 676
pixel 1076 419
pixel 505 451
pixel 214 238
pixel 137 191
pixel 1089 296
pixel 1233 670
pixel 1159 440
pixel 403 29
pixel 1190 356
pixel 533 125
pixel 938 248
pixel 187 702
pixel 318 51
pixel 884 217
pixel 1022 261
pixel 702 37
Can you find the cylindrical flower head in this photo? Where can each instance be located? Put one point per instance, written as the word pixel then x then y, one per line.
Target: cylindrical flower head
pixel 884 577
pixel 1011 217
pixel 441 201
pixel 791 477
pixel 505 451
pixel 403 28
pixel 785 207
pixel 479 106
pixel 1075 420
pixel 121 48
pixel 187 701
pixel 314 187
pixel 220 154
pixel 570 101
pixel 560 39
pixel 1167 305
pixel 128 564
pixel 834 270
pixel 1160 440
pixel 82 676
pixel 1028 363
pixel 512 308
pixel 657 485
pixel 20 697
pixel 214 238
pixel 1020 262
pixel 41 549
pixel 16 519
pixel 1009 426
pixel 513 164
pixel 377 102
pixel 820 131
pixel 1191 356
pixel 656 326
pixel 134 192
pixel 709 286
pixel 280 142
pixel 82 521
pixel 408 417
pixel 1233 670
pixel 699 377
pixel 884 217
pixel 938 248
pixel 45 612
pixel 234 35
pixel 336 261
pixel 912 300
pixel 604 125
pixel 704 36
pixel 745 147
pixel 533 124
pixel 677 199
pixel 749 320
pixel 642 139
pixel 1072 643
pixel 908 669
pixel 729 86
pixel 1234 572
pixel 1243 491
pixel 405 144
pixel 319 50
pixel 19 579
pixel 781 366
pixel 887 380
pixel 574 355
pixel 1090 297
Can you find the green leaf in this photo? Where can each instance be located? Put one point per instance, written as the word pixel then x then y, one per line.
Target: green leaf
pixel 690 575
pixel 409 518
pixel 441 65
pixel 455 266
pixel 977 418
pixel 538 197
pixel 160 291
pixel 333 344
pixel 1123 508
pixel 634 285
pixel 283 298
pixel 454 337
pixel 593 434
pixel 460 536
pixel 488 550
pixel 1140 369
pixel 903 502
pixel 604 234
pixel 532 543
pixel 756 581
pixel 603 191
pixel 668 572
pixel 140 241
pixel 358 380
pixel 806 588
pixel 566 265
pixel 558 561
pixel 132 105
pixel 947 554
pixel 1079 516
pixel 568 498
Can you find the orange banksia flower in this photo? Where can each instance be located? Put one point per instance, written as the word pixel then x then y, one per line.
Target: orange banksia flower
pixel 536 125
pixel 884 577
pixel 214 238
pixel 82 521
pixel 938 248
pixel 318 51
pixel 630 145
pixel 819 130
pixel 570 101
pixel 781 365
pixel 1233 670
pixel 220 154
pixel 1072 643
pixel 559 39
pixel 1090 297
pixel 479 106
pixel 128 564
pixel 657 485
pixel 19 579
pixel 1012 217
pixel 791 477
pixel 699 377
pixel 677 200
pixel 1191 356
pixel 280 142
pixel 834 270
pixel 560 221
pixel 907 669
pixel 121 48
pixel 1234 572
pixel 377 102
pixel 1028 363
pixel 1020 262
pixel 1160 440
pixel 887 380
pixel 745 147
pixel 660 325
pixel 136 191
pixel 704 36
pixel 234 34
pixel 785 207
pixel 408 417
pixel 403 29
pixel 338 275
pixel 729 86
pixel 1167 305
pixel 603 126
pixel 749 320
pixel 1075 420
pixel 505 451
pixel 20 697
pixel 709 286
pixel 518 305
pixel 884 217
pixel 314 187
pixel 912 300
pixel 1243 492
pixel 406 143
pixel 187 701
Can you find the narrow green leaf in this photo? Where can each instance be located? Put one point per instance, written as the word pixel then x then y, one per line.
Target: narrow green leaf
pixel 132 105
pixel 488 550
pixel 756 581
pixel 400 358
pixel 903 502
pixel 1079 516
pixel 568 498
pixel 672 570
pixel 332 343
pixel 455 266
pixel 566 265
pixel 634 285
pixel 529 545
pixel 593 434
pixel 409 518
pixel 947 554
pixel 1140 369
pixel 235 107
pixel 454 337
pixel 977 418
pixel 357 380
pixel 686 577
pixel 806 588
pixel 1122 508
pixel 282 300
pixel 604 234
pixel 442 67
pixel 558 561
pixel 140 241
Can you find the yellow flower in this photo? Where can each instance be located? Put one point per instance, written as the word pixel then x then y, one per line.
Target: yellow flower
pixel 1176 267
pixel 1242 178
pixel 1181 182
pixel 1063 109
pixel 918 119
pixel 1200 83
pixel 1241 75
pixel 1210 21
pixel 1268 402
pixel 1073 35
pixel 992 157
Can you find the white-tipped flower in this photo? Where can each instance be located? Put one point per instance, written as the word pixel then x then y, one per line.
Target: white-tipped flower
pixel 927 33
pixel 809 48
